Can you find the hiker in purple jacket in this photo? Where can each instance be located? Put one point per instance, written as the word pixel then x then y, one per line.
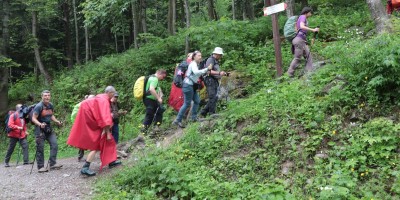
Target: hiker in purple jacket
pixel 299 43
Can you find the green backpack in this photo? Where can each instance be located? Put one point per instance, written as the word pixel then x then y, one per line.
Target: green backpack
pixel 289 30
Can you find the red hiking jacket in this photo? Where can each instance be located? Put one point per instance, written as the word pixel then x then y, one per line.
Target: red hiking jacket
pixel 14 125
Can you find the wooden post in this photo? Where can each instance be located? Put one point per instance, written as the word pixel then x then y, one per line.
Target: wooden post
pixel 276 38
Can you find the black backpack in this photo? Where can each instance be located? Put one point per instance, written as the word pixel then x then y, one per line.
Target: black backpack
pixel 180 74
pixel 29 112
pixel 9 113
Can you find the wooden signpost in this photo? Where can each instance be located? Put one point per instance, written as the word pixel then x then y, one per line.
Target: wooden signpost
pixel 271 8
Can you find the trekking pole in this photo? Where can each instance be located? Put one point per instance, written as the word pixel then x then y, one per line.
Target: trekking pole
pixel 34 159
pixel 312 43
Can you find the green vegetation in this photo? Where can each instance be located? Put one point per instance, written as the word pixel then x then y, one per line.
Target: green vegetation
pixel 331 135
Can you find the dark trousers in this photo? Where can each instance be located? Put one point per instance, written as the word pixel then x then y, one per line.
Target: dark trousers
pixel 152 112
pixel 115 132
pixel 212 90
pixel 11 147
pixel 51 138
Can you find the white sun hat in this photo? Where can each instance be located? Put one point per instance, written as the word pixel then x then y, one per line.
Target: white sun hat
pixel 218 50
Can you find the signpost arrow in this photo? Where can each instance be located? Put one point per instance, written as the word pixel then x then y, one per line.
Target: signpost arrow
pixel 275 9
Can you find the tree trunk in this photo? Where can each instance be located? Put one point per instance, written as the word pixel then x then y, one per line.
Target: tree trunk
pixel 290 8
pixel 233 10
pixel 304 3
pixel 36 50
pixel 378 14
pixel 143 16
pixel 86 44
pixel 187 14
pixel 67 32
pixel 212 13
pixel 4 51
pixel 248 10
pixel 135 24
pixel 76 34
pixel 172 17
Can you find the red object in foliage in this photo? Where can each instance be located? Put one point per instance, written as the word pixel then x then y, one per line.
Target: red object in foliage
pixel 176 96
pixel 392 5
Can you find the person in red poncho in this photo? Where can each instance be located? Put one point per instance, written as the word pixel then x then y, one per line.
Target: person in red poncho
pixel 91 130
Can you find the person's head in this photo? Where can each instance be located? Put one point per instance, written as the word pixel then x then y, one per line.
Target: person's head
pixel 196 56
pixel 217 53
pixel 307 11
pixel 110 91
pixel 89 96
pixel 115 97
pixel 46 96
pixel 189 57
pixel 161 74
pixel 18 107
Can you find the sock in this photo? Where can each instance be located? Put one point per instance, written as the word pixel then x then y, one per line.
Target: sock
pixel 87 164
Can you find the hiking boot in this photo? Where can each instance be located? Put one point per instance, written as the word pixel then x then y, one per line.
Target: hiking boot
pixel 6 165
pixel 114 164
pixel 28 163
pixel 80 154
pixel 86 171
pixel 179 124
pixel 56 166
pixel 215 115
pixel 198 120
pixel 42 170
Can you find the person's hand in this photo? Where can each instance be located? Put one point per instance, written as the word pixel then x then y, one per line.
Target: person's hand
pixel 59 123
pixel 122 112
pixel 222 73
pixel 209 67
pixel 20 128
pixel 42 125
pixel 26 133
pixel 109 136
pixel 159 100
pixel 316 30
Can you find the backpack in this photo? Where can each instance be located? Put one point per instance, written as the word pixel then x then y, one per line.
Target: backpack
pixel 180 74
pixel 9 113
pixel 139 89
pixel 29 111
pixel 289 30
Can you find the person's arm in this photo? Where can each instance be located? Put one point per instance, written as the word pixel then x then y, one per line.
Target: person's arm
pixel 53 118
pixel 196 71
pixel 304 27
pixel 12 125
pixel 153 91
pixel 106 130
pixel 36 121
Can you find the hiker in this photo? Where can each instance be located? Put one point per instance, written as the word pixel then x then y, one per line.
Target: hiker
pixel 175 99
pixel 43 114
pixel 212 81
pixel 81 152
pixel 299 43
pixel 189 88
pixel 92 130
pixel 153 100
pixel 115 113
pixel 18 133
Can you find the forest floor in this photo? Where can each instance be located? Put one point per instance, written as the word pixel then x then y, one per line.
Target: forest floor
pixel 66 183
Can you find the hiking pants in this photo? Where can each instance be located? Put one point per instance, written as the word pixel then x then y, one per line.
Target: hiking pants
pixel 189 95
pixel 51 138
pixel 115 132
pixel 151 111
pixel 300 49
pixel 11 147
pixel 212 90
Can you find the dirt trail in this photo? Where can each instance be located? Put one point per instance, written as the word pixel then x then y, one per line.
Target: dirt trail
pixel 65 183
pixel 17 183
